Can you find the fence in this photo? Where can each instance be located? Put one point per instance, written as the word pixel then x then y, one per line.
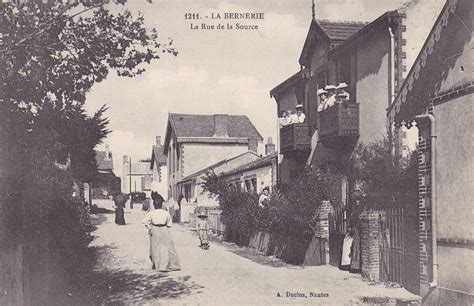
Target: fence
pixel 215 221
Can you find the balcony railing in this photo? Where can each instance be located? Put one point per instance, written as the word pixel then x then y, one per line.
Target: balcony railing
pixel 339 124
pixel 295 138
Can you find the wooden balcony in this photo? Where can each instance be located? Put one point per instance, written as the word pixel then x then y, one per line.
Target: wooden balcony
pixel 339 125
pixel 295 138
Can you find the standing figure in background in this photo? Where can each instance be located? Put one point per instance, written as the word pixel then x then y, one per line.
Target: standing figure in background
pixel 120 200
pixel 331 100
pixel 283 120
pixel 300 116
pixel 322 94
pixel 264 197
pixel 292 118
pixel 342 94
pixel 163 255
pixel 346 250
pixel 203 230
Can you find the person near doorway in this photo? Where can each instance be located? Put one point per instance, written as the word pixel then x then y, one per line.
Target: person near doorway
pixel 163 255
pixel 346 250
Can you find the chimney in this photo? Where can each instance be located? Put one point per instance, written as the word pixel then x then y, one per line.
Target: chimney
pixel 158 140
pixel 253 145
pixel 125 159
pixel 270 146
pixel 220 125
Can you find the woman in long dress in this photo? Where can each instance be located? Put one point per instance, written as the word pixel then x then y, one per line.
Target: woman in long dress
pixel 120 200
pixel 346 251
pixel 162 252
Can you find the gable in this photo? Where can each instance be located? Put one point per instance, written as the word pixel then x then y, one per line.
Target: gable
pixel 444 64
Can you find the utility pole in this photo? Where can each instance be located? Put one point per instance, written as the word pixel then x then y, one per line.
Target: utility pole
pixel 130 185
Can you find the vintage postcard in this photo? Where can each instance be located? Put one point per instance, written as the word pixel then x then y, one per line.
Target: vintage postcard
pixel 231 152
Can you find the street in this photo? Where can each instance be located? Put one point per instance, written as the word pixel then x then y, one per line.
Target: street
pixel 225 274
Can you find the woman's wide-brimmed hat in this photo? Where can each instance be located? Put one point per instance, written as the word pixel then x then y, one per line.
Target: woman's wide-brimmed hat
pixel 342 85
pixel 321 91
pixel 299 106
pixel 330 87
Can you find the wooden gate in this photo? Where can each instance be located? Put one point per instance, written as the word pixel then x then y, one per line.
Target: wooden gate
pixel 392 245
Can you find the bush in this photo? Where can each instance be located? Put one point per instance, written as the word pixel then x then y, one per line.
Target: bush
pixel 290 211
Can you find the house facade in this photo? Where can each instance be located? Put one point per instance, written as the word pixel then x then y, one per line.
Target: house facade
pixel 136 176
pixel 437 96
pixel 159 169
pixel 193 142
pixel 373 60
pixel 255 175
pixel 106 182
pixel 191 185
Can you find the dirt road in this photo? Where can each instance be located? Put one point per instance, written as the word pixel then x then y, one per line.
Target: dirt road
pixel 225 274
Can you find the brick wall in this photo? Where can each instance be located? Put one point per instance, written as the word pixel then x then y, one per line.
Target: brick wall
pixel 369 237
pixel 322 222
pixel 322 227
pixel 424 202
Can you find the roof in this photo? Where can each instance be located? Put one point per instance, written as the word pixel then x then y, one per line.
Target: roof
pixel 428 80
pixel 157 156
pixel 104 160
pixel 259 163
pixel 334 31
pixel 380 23
pixel 340 30
pixel 204 170
pixel 203 126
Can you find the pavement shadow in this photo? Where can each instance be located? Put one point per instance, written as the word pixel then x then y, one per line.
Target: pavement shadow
pixel 256 257
pixel 111 285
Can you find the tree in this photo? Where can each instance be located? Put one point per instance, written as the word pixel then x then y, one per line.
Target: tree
pixel 51 54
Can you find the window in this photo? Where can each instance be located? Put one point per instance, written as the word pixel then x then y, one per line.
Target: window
pixel 248 186
pixel 169 160
pixel 177 157
pixel 254 184
pixel 174 158
pixel 187 192
pixel 239 186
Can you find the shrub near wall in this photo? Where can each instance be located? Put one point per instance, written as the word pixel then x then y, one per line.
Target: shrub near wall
pixel 289 217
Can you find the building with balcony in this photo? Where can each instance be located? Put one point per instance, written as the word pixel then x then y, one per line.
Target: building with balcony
pixel 194 141
pixel 373 60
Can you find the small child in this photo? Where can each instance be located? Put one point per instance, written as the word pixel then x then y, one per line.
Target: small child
pixel 203 230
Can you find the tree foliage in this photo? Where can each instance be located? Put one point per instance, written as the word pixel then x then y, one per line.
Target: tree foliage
pixel 51 54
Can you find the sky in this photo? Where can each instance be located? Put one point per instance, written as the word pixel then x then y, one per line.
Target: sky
pixel 216 71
